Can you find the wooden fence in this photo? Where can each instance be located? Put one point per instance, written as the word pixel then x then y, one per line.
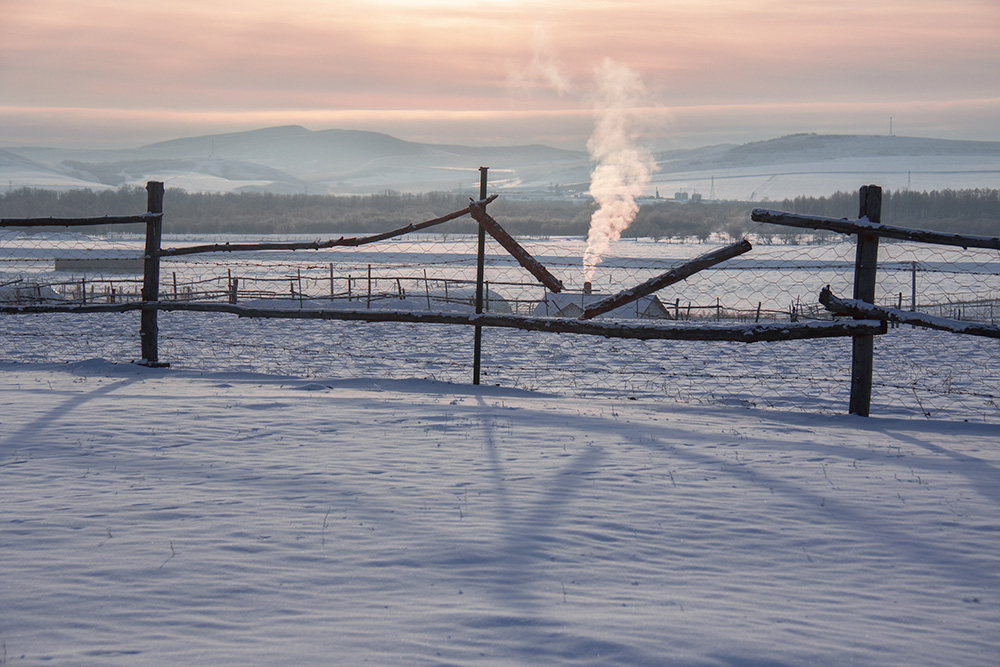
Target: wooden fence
pixel 869 228
pixel 868 320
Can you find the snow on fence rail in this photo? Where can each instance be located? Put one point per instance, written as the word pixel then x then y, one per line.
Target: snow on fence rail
pixel 412 282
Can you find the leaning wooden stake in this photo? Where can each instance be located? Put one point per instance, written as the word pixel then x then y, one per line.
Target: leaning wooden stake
pixel 672 276
pixel 524 258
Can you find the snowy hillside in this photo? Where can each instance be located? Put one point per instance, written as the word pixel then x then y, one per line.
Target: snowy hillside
pixel 293 159
pixel 18 171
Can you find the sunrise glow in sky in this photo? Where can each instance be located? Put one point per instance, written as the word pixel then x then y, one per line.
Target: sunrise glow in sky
pixel 131 72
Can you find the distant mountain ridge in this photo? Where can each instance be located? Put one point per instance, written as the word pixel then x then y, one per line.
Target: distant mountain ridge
pixel 293 159
pixel 812 147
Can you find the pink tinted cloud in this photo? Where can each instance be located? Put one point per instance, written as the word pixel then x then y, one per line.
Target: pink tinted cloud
pixel 304 59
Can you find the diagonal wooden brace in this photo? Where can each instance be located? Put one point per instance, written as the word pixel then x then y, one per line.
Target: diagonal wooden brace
pixel 672 276
pixel 524 258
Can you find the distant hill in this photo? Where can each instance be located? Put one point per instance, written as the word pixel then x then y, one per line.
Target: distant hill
pixel 818 165
pixel 17 171
pixel 293 159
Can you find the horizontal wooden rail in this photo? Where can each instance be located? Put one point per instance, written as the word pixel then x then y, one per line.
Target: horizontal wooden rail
pixel 78 308
pixel 864 226
pixel 80 222
pixel 747 333
pixel 349 242
pixel 856 308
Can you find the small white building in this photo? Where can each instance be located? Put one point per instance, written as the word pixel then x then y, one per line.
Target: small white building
pixel 572 304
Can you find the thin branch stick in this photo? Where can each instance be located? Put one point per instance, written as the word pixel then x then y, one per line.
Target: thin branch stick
pixel 318 245
pixel 672 276
pixel 858 308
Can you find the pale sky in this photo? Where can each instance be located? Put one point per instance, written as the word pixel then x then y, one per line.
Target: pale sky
pixel 121 73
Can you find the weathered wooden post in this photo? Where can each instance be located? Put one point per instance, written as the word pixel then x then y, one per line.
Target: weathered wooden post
pixel 477 350
pixel 148 331
pixel 865 270
pixel 427 290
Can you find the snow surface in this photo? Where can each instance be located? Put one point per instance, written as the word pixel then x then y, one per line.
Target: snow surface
pixel 162 516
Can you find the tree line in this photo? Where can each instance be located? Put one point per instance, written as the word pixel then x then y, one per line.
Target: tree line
pixel 975 211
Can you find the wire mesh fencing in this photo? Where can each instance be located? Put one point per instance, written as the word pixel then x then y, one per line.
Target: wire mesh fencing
pixel 60 266
pixel 918 372
pixel 935 373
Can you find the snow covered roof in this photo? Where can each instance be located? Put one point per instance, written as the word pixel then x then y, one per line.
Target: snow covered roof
pixel 572 304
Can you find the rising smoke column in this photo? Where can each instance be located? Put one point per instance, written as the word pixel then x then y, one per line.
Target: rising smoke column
pixel 544 72
pixel 623 168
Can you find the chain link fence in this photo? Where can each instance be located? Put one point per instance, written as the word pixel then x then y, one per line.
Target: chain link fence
pixel 917 371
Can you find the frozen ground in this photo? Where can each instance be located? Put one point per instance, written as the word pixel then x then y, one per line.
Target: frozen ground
pixel 164 516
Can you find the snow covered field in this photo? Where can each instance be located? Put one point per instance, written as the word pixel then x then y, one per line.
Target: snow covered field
pixel 822 176
pixel 169 516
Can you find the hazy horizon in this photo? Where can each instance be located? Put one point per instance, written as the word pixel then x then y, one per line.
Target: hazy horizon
pixel 123 74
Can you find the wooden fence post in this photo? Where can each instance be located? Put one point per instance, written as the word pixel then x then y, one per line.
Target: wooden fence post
pixel 148 331
pixel 427 290
pixel 477 350
pixel 865 270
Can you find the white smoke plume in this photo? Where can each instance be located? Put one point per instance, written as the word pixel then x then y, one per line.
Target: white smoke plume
pixel 623 167
pixel 544 72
